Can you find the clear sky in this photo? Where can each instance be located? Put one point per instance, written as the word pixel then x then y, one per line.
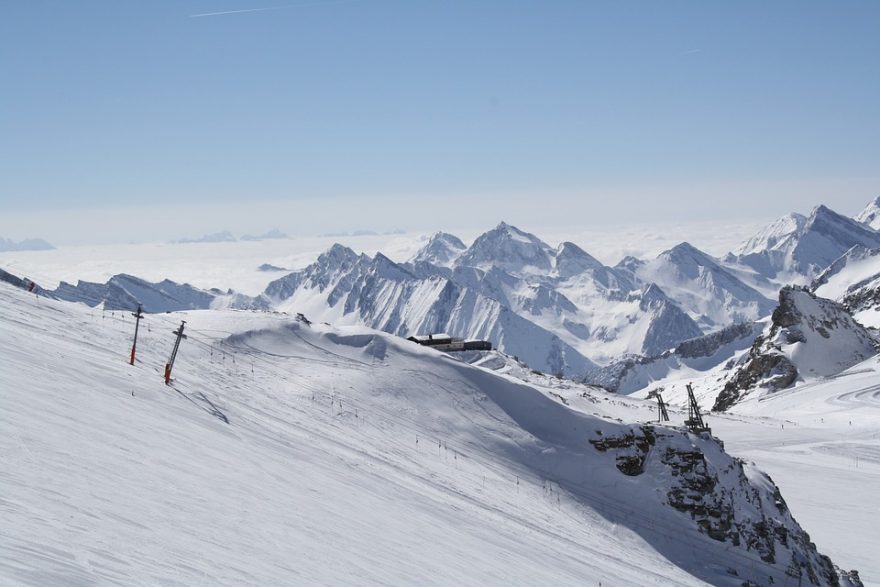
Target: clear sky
pixel 155 119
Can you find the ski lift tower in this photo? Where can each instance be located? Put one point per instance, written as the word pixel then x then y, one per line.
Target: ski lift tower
pixel 662 414
pixel 695 419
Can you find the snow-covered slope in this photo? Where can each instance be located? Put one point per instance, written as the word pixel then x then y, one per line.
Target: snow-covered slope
pixel 854 281
pixel 870 215
pixel 797 246
pixel 808 337
pixel 286 454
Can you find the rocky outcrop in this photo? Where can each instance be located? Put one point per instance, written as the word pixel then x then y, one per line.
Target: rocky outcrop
pixel 808 336
pixel 727 499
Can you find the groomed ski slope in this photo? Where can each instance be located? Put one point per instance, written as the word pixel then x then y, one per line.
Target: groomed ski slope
pixel 288 454
pixel 820 441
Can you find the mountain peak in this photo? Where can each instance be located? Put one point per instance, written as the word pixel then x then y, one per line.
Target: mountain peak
pixel 870 215
pixel 685 249
pixel 508 248
pixel 441 249
pixel 573 260
pixel 337 257
pixel 774 234
pixel 795 244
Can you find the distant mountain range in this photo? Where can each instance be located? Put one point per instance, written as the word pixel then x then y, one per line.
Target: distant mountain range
pixel 227 237
pixel 28 244
pixel 557 309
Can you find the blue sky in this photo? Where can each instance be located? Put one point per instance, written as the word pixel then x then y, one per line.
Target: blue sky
pixel 408 113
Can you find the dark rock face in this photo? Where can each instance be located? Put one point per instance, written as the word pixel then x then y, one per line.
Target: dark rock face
pixel 724 500
pixel 774 370
pixel 631 449
pixel 862 299
pixel 705 346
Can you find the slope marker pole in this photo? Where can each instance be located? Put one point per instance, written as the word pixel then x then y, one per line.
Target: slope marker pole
pixel 138 316
pixel 170 364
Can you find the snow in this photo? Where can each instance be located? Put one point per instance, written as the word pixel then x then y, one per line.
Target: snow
pixel 774 236
pixel 344 456
pixel 870 215
pixel 825 458
pixel 853 269
pixel 819 441
pixel 710 294
pixel 797 246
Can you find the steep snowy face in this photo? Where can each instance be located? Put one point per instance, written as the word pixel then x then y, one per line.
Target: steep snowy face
pixel 826 237
pixel 442 249
pixel 854 281
pixel 871 214
pixel 775 236
pixel 331 266
pixel 711 295
pixel 808 337
pixel 853 270
pixel 572 260
pixel 509 248
pixel 806 249
pixel 668 324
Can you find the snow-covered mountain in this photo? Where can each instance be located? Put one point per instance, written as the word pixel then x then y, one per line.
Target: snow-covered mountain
pixel 284 453
pixel 509 249
pixel 268 235
pixel 223 236
pixel 343 287
pixel 28 244
pixel 126 292
pixel 808 337
pixel 870 215
pixel 712 295
pixel 797 246
pixel 556 308
pixel 442 249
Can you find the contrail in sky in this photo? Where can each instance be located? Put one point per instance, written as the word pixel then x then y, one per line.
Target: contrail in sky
pixel 236 11
pixel 265 8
